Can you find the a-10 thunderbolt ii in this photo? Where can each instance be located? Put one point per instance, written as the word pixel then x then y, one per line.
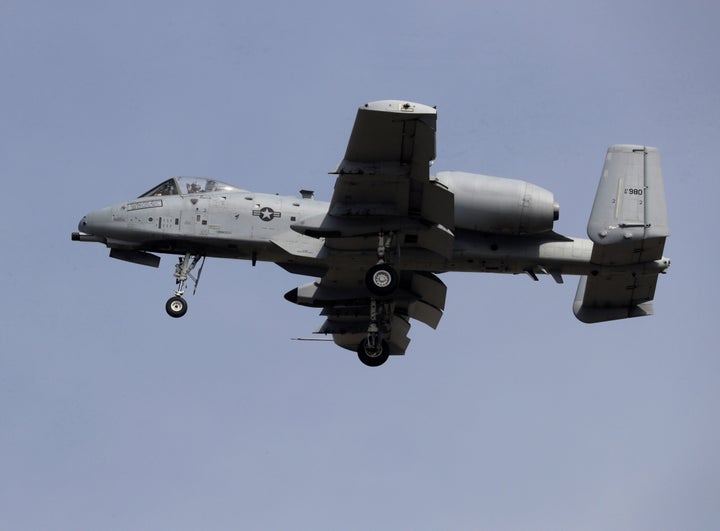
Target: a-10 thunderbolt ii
pixel 376 248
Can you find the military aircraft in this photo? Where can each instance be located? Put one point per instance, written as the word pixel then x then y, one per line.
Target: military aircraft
pixel 391 227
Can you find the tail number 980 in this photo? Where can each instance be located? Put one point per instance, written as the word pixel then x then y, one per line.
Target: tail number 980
pixel 633 191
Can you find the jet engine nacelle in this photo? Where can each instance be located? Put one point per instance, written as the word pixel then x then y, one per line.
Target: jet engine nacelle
pixel 500 206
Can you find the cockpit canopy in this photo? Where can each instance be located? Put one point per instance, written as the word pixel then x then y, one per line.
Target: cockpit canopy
pixel 190 185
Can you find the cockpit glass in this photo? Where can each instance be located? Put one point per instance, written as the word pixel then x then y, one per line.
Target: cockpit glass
pixel 190 185
pixel 199 185
pixel 167 188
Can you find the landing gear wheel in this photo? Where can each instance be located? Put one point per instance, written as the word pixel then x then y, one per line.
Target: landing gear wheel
pixel 176 306
pixel 373 357
pixel 381 280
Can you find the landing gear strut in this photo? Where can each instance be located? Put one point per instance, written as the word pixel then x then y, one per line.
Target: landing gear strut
pixel 381 281
pixel 177 306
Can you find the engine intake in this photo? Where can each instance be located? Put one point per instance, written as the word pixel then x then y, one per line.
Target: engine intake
pixel 498 205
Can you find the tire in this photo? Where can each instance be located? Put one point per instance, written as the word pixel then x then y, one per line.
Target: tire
pixel 381 280
pixel 373 359
pixel 176 306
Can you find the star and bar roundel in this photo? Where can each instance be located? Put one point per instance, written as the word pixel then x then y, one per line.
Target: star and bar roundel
pixel 266 213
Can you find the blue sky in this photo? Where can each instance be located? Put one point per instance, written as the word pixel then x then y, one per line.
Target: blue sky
pixel 512 415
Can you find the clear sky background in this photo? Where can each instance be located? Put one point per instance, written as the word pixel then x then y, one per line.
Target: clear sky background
pixel 512 415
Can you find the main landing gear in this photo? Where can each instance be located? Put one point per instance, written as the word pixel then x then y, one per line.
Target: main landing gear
pixel 381 281
pixel 373 351
pixel 177 306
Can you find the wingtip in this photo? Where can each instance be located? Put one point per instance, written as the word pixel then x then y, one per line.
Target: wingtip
pixel 399 106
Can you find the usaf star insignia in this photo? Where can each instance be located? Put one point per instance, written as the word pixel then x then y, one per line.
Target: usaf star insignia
pixel 266 214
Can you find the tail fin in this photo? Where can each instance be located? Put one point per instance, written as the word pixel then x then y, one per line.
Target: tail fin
pixel 628 226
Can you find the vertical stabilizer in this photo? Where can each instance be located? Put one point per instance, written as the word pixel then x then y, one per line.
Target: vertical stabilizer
pixel 628 223
pixel 628 226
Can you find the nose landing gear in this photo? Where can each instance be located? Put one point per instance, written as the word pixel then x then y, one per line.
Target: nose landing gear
pixel 177 306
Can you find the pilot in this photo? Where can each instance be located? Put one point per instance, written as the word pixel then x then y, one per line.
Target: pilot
pixel 166 189
pixel 194 188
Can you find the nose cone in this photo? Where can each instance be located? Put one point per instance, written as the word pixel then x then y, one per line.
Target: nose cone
pixel 97 223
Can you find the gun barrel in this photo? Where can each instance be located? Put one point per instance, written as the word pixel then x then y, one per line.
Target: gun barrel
pixel 82 237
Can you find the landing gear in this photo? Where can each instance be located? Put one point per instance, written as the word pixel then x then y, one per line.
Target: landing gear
pixel 177 306
pixel 382 279
pixel 373 351
pixel 373 355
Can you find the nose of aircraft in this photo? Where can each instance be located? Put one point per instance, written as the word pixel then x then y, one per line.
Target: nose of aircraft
pixel 97 222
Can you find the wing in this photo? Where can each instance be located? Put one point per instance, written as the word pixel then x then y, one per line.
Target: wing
pixel 383 198
pixel 384 185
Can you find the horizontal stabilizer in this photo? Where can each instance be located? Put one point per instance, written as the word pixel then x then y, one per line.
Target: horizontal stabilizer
pixel 614 296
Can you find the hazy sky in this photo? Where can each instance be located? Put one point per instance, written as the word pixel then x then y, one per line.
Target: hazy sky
pixel 512 415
